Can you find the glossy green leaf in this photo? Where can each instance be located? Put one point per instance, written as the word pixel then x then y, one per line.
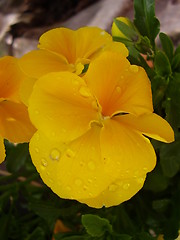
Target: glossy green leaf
pixel 162 64
pixel 145 20
pixel 167 45
pixel 95 225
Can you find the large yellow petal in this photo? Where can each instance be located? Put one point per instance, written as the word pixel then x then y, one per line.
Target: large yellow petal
pixel 119 86
pixel 151 125
pixel 40 62
pixel 89 40
pixel 61 106
pixel 10 78
pixel 74 170
pixel 2 150
pixel 127 152
pixel 81 43
pixel 15 124
pixel 117 192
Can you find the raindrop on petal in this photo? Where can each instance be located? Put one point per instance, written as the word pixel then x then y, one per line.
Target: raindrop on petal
pixel 134 68
pixel 118 89
pixel 84 92
pixel 126 186
pixel 55 154
pixel 70 153
pixel 44 162
pixel 112 187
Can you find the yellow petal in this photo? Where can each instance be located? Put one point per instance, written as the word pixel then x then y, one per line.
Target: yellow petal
pixel 10 78
pixel 60 41
pixel 2 150
pixel 74 170
pixel 81 43
pixel 26 89
pixel 61 106
pixel 117 47
pixel 89 40
pixel 39 62
pixel 117 192
pixel 14 122
pixel 127 153
pixel 151 125
pixel 119 86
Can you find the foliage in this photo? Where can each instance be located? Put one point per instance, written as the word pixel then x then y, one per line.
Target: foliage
pixel 29 210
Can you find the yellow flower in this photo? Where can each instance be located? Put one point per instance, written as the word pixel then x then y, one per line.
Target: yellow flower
pixel 90 143
pixel 63 49
pixel 116 32
pixel 15 124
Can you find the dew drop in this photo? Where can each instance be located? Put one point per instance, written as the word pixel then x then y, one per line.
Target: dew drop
pixel 70 153
pixel 118 89
pixel 112 187
pixel 140 180
pixel 94 105
pixel 44 162
pixel 122 77
pixel 145 169
pixel 89 180
pixel 78 182
pixel 91 165
pixel 134 68
pixel 84 92
pixel 55 154
pixel 126 186
pixel 75 82
pixel 90 194
pixel 85 188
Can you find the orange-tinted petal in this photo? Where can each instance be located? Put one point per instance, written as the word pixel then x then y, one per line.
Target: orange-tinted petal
pixel 117 192
pixel 151 125
pixel 61 106
pixel 10 78
pixel 2 150
pixel 127 153
pixel 14 122
pixel 40 62
pixel 72 170
pixel 119 86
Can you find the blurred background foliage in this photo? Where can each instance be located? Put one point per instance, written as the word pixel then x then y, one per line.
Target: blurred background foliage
pixel 29 210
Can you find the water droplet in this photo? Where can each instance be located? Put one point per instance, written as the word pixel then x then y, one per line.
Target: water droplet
pixel 136 173
pixel 134 68
pixel 68 188
pixel 145 169
pixel 91 165
pixel 112 187
pixel 44 162
pixel 84 91
pixel 75 82
pixel 126 186
pixel 140 180
pixel 78 182
pixel 36 150
pixel 90 194
pixel 85 188
pixel 122 77
pixel 70 153
pixel 118 89
pixel 47 173
pixel 94 105
pixel 55 154
pixel 89 180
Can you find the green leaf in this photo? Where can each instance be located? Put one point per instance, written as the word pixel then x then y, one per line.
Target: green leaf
pixel 170 158
pixel 167 45
pixel 16 156
pixel 145 20
pixel 176 63
pixel 95 225
pixel 160 205
pixel 144 236
pixel 162 64
pixel 37 234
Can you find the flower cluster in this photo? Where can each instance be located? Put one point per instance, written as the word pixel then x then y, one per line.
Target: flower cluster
pixel 91 109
